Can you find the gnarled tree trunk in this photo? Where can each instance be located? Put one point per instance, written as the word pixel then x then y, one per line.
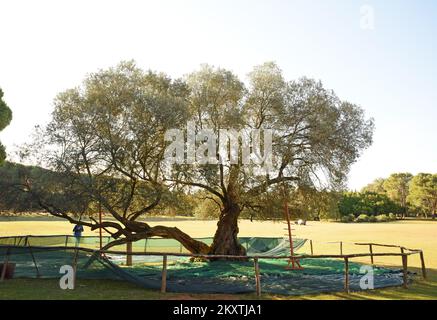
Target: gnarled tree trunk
pixel 192 245
pixel 226 237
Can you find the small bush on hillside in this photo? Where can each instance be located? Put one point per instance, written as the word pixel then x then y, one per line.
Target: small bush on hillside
pixel 391 216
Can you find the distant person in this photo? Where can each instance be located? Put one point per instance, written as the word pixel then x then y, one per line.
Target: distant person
pixel 77 231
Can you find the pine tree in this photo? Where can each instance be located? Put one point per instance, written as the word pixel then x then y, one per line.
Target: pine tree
pixel 5 119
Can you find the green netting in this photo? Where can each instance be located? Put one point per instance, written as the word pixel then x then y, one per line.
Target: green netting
pixel 258 246
pixel 319 275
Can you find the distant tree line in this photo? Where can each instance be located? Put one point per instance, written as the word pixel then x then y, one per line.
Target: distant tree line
pixel 411 195
pixel 400 195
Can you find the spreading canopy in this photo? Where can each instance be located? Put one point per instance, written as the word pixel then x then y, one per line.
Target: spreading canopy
pixel 109 139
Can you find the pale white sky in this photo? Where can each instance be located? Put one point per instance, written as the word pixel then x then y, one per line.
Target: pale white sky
pixel 49 46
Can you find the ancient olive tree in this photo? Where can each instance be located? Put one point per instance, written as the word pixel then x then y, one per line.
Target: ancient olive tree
pixel 112 140
pixel 5 119
pixel 315 139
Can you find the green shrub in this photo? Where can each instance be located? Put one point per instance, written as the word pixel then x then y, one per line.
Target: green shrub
pixel 347 218
pixel 362 218
pixel 372 219
pixel 382 218
pixel 391 216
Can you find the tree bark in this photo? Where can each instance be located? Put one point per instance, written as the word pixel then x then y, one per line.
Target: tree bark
pixel 138 230
pixel 226 237
pixel 192 245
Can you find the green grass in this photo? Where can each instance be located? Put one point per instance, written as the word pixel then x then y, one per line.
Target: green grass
pixel 48 289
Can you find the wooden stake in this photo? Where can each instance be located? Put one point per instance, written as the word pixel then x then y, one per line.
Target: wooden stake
pixel 405 270
pixel 100 229
pixel 346 275
pixel 311 245
pixel 371 254
pixel 164 274
pixel 76 254
pixel 128 254
pixel 341 248
pixel 257 277
pixel 422 260
pixel 66 242
pixel 34 262
pixel 5 266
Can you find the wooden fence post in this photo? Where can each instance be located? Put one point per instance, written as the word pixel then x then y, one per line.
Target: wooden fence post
pixel 38 275
pixel 76 254
pixel 341 248
pixel 128 255
pixel 311 245
pixel 66 242
pixel 346 275
pixel 5 265
pixel 405 270
pixel 422 260
pixel 371 254
pixel 164 274
pixel 257 277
